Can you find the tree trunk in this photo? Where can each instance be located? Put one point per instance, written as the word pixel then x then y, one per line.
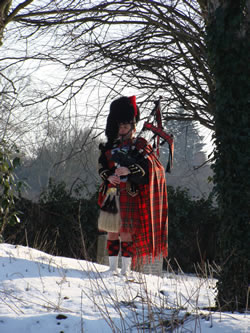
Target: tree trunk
pixel 4 10
pixel 228 52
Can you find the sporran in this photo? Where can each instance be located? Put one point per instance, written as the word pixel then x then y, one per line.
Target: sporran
pixel 110 219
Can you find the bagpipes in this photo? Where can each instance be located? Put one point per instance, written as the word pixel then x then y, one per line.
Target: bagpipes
pixel 130 157
pixel 109 218
pixel 159 133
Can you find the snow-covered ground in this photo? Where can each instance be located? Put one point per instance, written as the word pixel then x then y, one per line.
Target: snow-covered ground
pixel 40 293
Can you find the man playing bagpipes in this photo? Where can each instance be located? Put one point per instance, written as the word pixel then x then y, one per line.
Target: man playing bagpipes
pixel 133 195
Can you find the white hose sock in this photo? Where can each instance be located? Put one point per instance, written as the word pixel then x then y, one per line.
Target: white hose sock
pixel 126 265
pixel 113 264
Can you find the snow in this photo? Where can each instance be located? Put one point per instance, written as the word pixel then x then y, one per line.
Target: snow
pixel 40 293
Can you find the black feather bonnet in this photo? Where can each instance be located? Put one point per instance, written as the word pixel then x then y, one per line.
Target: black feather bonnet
pixel 122 111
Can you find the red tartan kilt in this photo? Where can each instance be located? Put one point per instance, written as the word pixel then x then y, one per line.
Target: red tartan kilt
pixel 129 209
pixel 145 215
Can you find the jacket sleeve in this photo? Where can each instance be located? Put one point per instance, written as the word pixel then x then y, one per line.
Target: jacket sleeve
pixel 103 168
pixel 139 172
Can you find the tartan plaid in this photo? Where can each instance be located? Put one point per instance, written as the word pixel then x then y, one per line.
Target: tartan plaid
pixel 145 216
pixel 151 233
pixel 128 209
pixel 113 247
pixel 126 248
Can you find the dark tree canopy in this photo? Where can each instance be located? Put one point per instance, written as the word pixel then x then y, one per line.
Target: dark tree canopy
pixel 151 47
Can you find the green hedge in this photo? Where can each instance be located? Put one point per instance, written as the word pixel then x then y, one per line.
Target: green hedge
pixel 65 225
pixel 59 224
pixel 193 230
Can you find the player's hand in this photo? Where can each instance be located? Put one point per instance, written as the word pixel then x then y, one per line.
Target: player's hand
pixel 114 179
pixel 122 171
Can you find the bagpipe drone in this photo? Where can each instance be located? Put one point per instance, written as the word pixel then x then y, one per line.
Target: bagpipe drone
pixel 160 137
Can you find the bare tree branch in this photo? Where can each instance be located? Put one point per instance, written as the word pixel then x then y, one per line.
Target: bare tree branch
pixel 151 47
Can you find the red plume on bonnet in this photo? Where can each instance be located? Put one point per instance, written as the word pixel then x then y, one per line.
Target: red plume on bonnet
pixel 133 102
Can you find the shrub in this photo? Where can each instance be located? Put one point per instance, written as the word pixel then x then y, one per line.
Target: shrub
pixel 59 223
pixel 193 226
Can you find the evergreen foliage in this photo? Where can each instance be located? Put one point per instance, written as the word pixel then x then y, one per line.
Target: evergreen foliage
pixel 60 224
pixel 193 229
pixel 228 51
